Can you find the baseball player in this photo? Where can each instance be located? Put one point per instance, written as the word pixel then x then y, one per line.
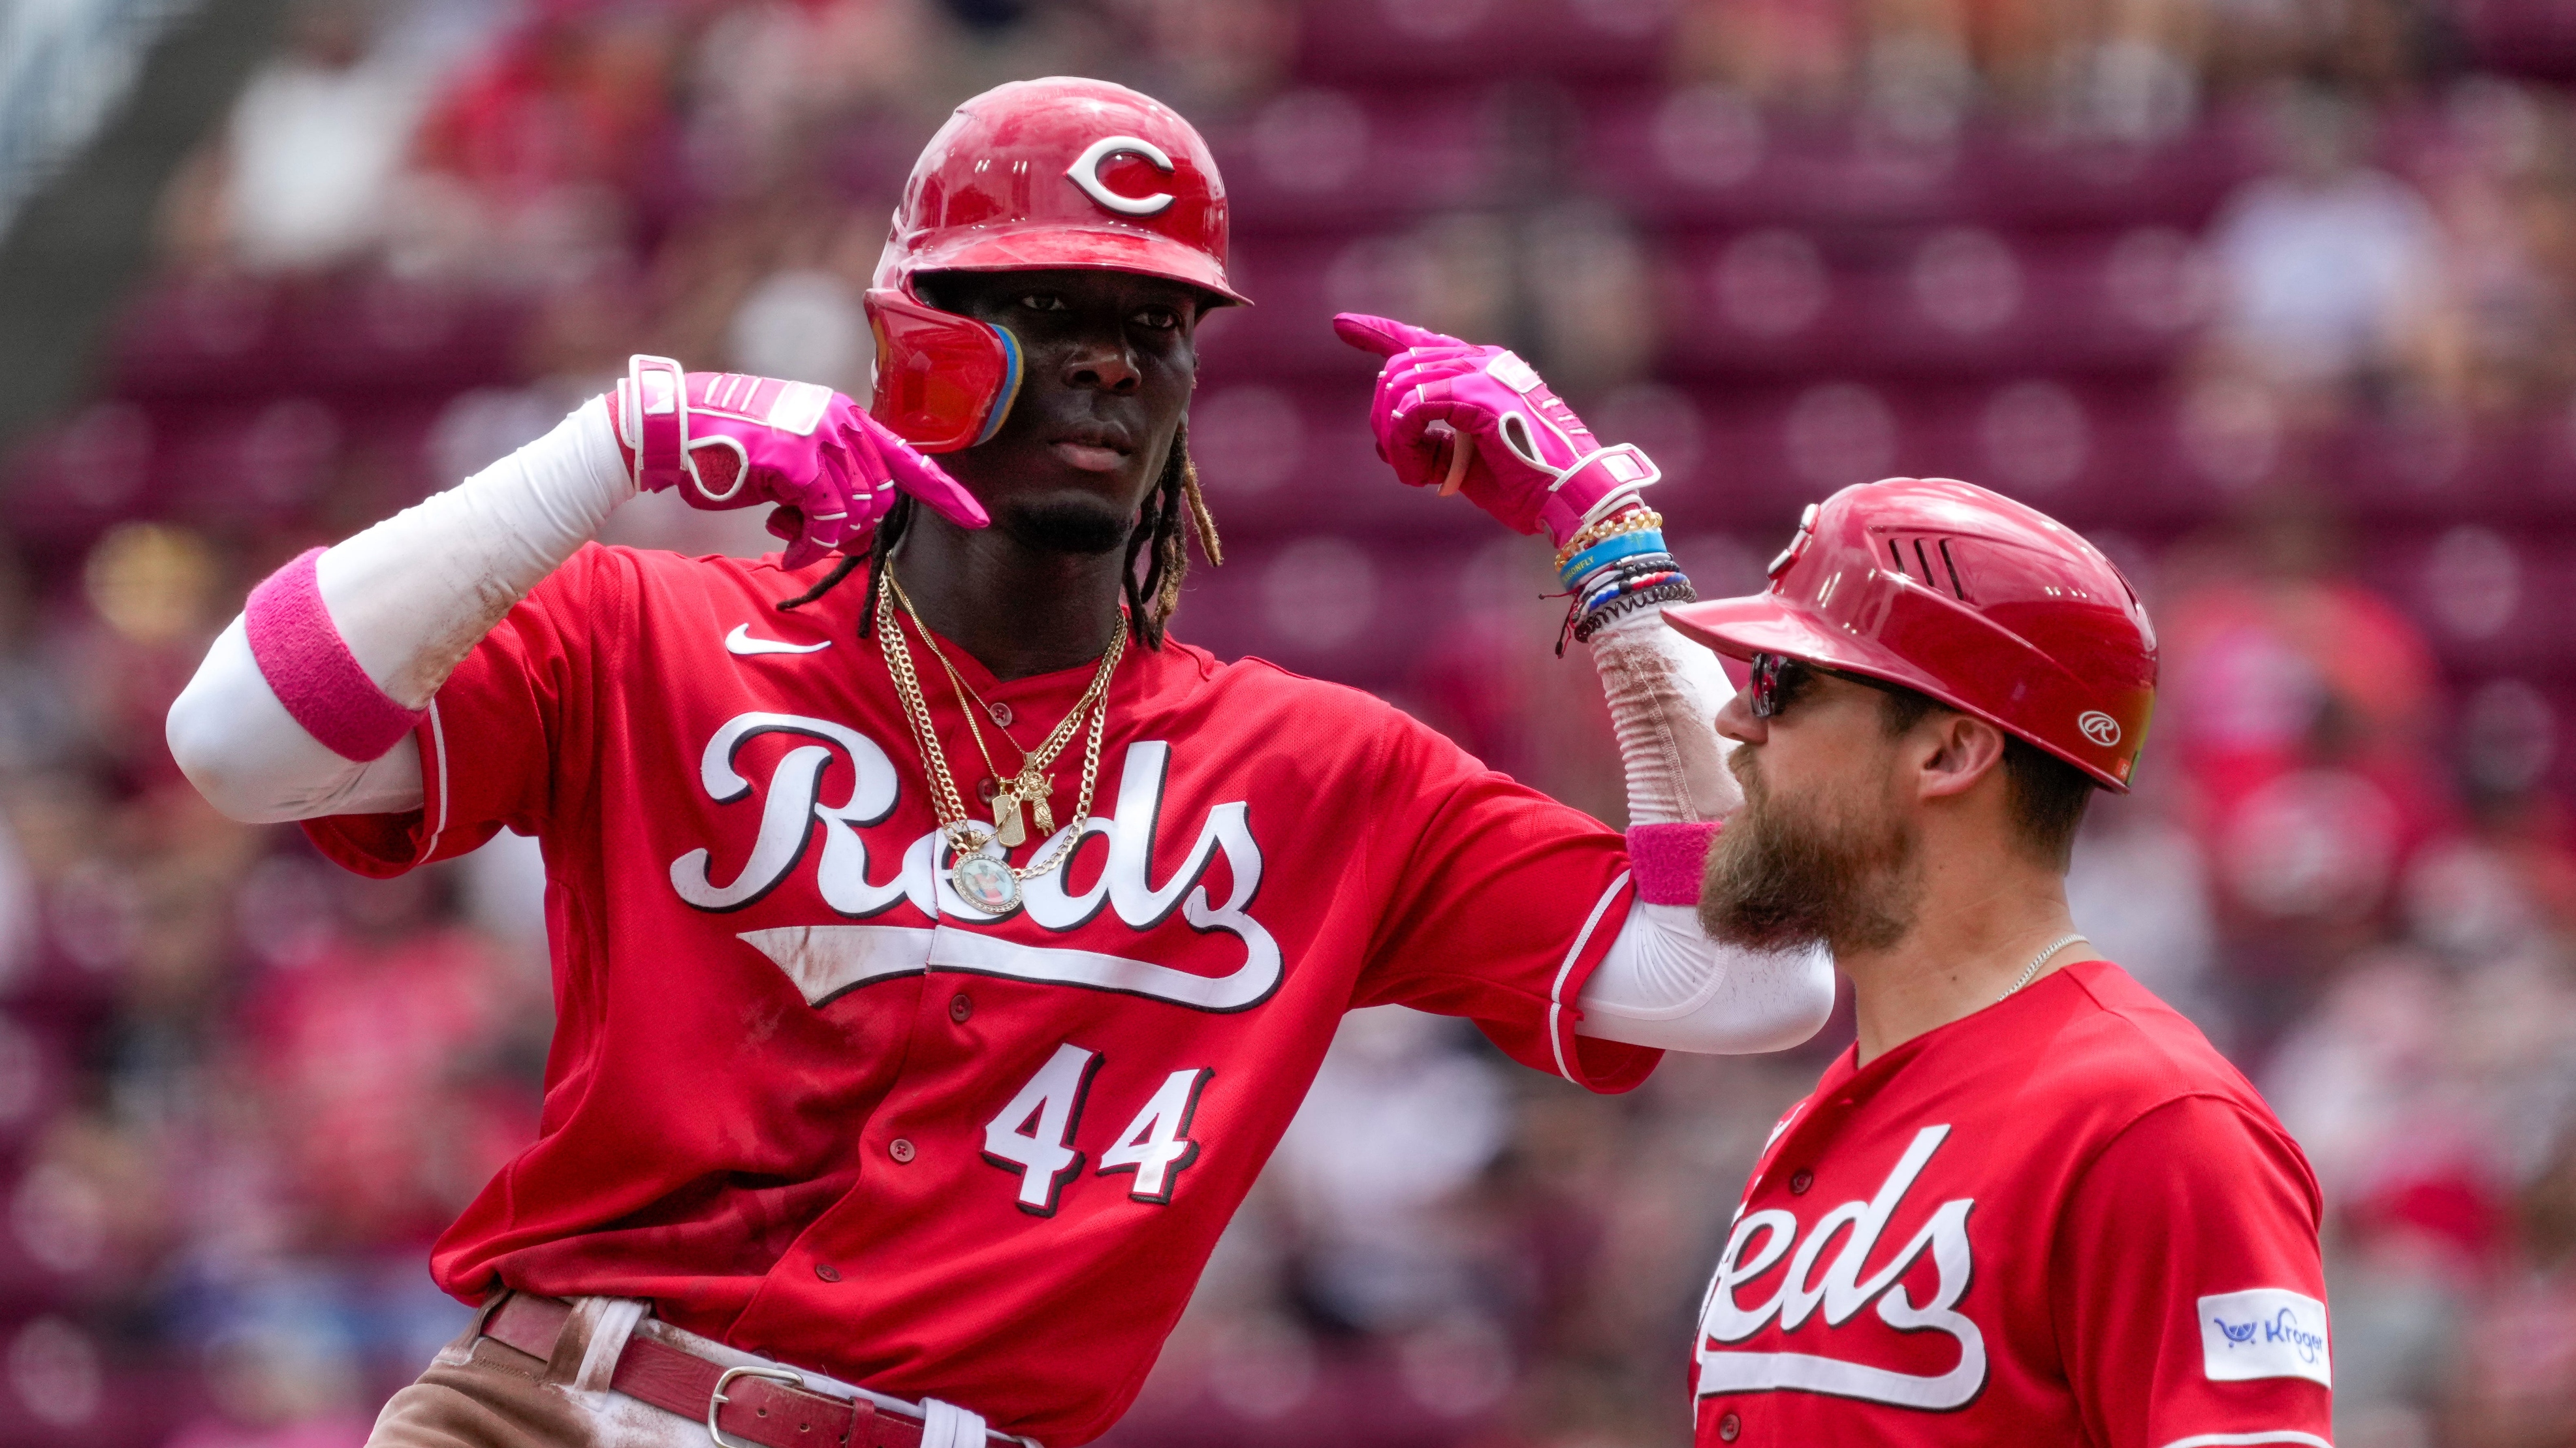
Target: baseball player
pixel 939 946
pixel 2031 1204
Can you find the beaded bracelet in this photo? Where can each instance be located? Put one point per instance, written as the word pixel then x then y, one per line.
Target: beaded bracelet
pixel 1632 520
pixel 1677 591
pixel 1594 608
pixel 1623 577
pixel 1626 545
pixel 1609 591
pixel 1624 568
pixel 1627 579
pixel 1626 520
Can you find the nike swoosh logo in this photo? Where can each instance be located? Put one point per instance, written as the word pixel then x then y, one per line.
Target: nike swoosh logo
pixel 741 642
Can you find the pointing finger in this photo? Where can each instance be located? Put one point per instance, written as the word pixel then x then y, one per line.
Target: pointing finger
pixel 1385 336
pixel 921 478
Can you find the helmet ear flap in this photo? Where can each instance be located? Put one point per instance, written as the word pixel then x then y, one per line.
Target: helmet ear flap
pixel 1009 392
pixel 943 382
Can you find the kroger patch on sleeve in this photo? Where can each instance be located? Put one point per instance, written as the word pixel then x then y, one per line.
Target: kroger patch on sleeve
pixel 2264 1332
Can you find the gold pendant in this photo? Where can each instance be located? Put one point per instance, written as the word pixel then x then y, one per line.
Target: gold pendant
pixel 1035 787
pixel 986 883
pixel 1006 820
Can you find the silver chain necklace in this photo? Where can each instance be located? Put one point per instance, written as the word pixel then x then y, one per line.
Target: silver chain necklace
pixel 2036 961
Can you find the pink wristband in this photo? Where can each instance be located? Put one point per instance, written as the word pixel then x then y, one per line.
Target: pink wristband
pixel 661 423
pixel 1668 860
pixel 309 667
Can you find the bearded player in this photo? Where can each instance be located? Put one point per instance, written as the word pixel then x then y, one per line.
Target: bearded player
pixel 2031 1204
pixel 939 946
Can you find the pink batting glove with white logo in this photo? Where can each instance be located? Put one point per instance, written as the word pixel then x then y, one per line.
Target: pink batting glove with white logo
pixel 730 441
pixel 1513 447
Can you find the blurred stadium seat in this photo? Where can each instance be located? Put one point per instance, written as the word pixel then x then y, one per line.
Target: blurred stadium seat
pixel 1784 247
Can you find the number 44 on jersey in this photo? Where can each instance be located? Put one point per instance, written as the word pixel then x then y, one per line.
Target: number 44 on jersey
pixel 1033 1135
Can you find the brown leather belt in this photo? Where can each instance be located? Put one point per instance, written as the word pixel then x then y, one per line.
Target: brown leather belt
pixel 764 1405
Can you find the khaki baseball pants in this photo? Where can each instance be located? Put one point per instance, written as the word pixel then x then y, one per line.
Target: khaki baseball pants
pixel 481 1393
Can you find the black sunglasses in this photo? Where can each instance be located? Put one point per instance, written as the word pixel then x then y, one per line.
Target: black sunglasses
pixel 1778 679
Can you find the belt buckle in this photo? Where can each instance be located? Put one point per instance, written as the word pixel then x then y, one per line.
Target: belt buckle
pixel 716 1402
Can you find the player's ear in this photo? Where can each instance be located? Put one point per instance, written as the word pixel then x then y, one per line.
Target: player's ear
pixel 1952 751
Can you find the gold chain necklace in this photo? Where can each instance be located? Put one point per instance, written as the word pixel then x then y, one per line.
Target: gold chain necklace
pixel 1032 785
pixel 988 884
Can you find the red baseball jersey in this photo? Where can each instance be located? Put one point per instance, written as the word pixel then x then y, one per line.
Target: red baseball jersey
pixel 811 1103
pixel 2064 1219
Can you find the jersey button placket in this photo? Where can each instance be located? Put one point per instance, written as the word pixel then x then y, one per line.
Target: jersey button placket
pixel 827 1271
pixel 1800 1181
pixel 961 1008
pixel 1729 1427
pixel 901 1149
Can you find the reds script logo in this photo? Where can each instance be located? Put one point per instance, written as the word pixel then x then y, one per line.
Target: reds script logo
pixel 826 960
pixel 1762 1238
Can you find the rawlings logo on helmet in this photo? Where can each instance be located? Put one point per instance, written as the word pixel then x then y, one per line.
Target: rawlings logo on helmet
pixel 1085 172
pixel 2099 727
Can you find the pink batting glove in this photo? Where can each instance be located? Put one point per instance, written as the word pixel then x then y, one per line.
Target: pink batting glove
pixel 730 441
pixel 1517 451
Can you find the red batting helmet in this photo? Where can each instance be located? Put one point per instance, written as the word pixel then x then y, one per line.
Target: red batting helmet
pixel 1035 174
pixel 1992 608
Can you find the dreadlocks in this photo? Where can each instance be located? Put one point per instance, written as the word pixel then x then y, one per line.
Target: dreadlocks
pixel 1160 535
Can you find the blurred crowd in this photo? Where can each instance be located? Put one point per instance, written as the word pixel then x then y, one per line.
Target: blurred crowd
pixel 2275 298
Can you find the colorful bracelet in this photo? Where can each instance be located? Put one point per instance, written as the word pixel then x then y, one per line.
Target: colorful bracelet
pixel 1626 520
pixel 1656 558
pixel 1625 568
pixel 1624 577
pixel 1607 592
pixel 1670 591
pixel 1676 591
pixel 1590 614
pixel 1629 520
pixel 1626 545
pixel 1628 580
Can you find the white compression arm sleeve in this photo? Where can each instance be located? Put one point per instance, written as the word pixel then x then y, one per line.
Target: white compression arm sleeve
pixel 1664 983
pixel 411 597
pixel 1664 694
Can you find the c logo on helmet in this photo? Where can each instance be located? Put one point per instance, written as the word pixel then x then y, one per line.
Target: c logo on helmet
pixel 1085 172
pixel 2099 727
pixel 1805 535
